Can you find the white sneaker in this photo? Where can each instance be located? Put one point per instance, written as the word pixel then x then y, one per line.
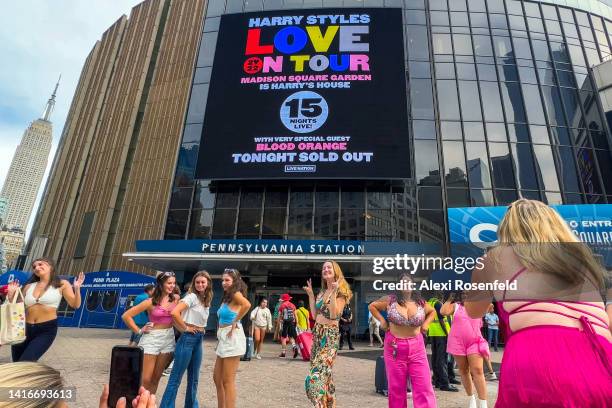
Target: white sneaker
pixel 482 403
pixel 167 372
pixel 258 356
pixel 491 376
pixel 473 401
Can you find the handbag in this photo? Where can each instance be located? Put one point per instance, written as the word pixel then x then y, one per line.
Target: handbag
pixel 12 320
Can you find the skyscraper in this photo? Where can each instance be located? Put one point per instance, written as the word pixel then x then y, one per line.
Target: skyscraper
pixel 27 169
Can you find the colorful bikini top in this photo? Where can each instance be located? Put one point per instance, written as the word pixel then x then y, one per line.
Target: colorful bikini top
pixel 51 297
pixel 587 324
pixel 323 308
pixel 396 317
pixel 160 315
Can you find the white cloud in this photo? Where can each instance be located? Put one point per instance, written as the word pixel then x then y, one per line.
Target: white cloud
pixel 38 41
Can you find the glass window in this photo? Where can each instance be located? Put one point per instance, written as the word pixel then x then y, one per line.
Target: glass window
pixel 426 162
pixel 496 132
pixel 466 71
pixel 326 223
pixel 327 196
pixel 421 99
pixel 417 42
pixel 424 129
pixel 560 52
pixel 574 198
pixel 528 75
pixel 477 165
pixel 533 104
pixel 251 198
pixel 476 5
pixel 486 72
pixel 201 224
pixel 522 48
pixel 498 21
pixel 215 8
pixel 431 226
pixel 549 12
pixel 535 24
pixel 274 223
pixel 176 224
pixel 276 197
pixel 206 52
pixel 378 198
pixel 566 78
pixel 513 102
pixel 505 197
pixel 479 20
pixel 439 18
pixel 419 69
pixel 482 45
pixel 442 44
pixel 605 167
pixel 547 76
pixel 546 167
pixel 518 133
pixel 457 5
pixel 524 166
pixel 454 163
pixel 572 107
pixel 93 300
pixel 503 47
pixel 430 197
pixel 301 197
pixel 415 4
pixel 532 9
pixel 496 6
pixel 416 17
pixel 352 197
pixel 445 70
pixel 299 222
pixel 447 100
pixel 560 135
pixel 181 198
pixel 553 27
pixel 501 165
pixel 199 95
pixel 438 5
pixel 507 72
pixel 552 101
pixel 459 19
pixel 491 102
pixel 517 23
pixel 352 223
pixel 457 197
pixel 224 222
pixel 567 169
pixel 474 131
pixel 539 134
pixel 570 30
pixel 463 44
pixel 450 130
pixel 540 50
pixel 481 198
pixel 470 100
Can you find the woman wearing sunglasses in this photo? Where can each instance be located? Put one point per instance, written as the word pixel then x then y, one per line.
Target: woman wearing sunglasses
pixel 158 335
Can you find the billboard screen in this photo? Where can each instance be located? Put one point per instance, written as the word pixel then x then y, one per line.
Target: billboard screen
pixel 307 93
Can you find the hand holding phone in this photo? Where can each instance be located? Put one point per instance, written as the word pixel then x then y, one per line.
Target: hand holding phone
pixel 125 374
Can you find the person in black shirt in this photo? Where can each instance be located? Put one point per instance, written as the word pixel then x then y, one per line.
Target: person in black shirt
pixel 346 321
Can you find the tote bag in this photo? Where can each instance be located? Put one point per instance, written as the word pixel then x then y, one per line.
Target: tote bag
pixel 12 321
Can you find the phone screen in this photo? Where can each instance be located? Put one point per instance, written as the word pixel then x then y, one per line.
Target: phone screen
pixel 125 374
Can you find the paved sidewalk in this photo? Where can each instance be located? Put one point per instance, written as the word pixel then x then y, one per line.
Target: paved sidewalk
pixel 83 355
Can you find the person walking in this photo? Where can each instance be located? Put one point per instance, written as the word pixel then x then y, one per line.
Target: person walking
pixel 288 319
pixel 142 318
pixel 408 316
pixel 191 317
pixel 492 327
pixel 374 329
pixel 326 308
pixel 231 337
pixel 261 322
pixel 277 324
pixel 43 294
pixel 157 338
pixel 303 317
pixel 469 348
pixel 443 373
pixel 346 322
pixel 558 350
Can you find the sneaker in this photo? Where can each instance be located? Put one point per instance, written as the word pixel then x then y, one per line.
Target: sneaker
pixel 258 356
pixel 167 372
pixel 370 345
pixel 491 376
pixel 454 381
pixel 351 348
pixel 282 355
pixel 295 351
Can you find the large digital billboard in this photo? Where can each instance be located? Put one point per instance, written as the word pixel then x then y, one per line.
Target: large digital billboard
pixel 307 93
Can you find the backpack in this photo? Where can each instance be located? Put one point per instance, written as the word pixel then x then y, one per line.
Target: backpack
pixel 288 315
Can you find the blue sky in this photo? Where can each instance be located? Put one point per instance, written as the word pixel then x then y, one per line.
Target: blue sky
pixel 39 39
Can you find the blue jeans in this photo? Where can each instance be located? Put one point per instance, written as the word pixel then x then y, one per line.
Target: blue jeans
pixel 187 356
pixel 493 334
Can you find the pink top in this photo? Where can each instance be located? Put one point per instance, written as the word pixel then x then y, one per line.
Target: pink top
pixel 396 317
pixel 159 315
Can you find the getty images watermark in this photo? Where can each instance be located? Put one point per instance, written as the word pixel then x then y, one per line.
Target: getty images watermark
pixel 408 264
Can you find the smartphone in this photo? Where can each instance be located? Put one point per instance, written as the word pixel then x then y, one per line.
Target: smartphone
pixel 125 374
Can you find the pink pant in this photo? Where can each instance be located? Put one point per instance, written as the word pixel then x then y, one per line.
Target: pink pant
pixel 410 360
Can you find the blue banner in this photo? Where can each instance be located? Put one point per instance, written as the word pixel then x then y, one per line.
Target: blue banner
pixel 14 275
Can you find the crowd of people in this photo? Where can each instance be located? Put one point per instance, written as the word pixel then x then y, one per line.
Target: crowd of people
pixel 557 353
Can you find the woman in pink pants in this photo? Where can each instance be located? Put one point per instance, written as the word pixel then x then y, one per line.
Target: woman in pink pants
pixel 405 356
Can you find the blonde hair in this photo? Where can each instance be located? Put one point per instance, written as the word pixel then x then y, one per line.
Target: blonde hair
pixel 344 290
pixel 543 241
pixel 30 375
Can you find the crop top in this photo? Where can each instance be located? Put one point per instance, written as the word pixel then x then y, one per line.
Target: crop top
pixel 323 308
pixel 159 315
pixel 51 297
pixel 196 313
pixel 396 317
pixel 226 315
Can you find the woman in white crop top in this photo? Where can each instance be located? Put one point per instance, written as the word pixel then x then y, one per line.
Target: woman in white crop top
pixel 190 316
pixel 43 295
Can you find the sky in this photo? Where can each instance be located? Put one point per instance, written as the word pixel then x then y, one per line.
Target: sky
pixel 39 40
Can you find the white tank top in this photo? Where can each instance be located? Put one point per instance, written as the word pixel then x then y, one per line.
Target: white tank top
pixel 51 298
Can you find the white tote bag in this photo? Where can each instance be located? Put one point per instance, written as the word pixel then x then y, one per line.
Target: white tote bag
pixel 12 320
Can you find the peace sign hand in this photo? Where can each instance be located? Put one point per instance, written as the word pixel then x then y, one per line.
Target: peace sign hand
pixel 308 288
pixel 78 281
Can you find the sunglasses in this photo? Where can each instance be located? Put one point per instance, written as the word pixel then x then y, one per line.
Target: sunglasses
pixel 226 270
pixel 164 274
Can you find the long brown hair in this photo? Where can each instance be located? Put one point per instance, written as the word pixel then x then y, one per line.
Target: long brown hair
pixel 415 296
pixel 158 292
pixel 238 285
pixel 32 375
pixel 53 278
pixel 206 297
pixel 543 241
pixel 344 290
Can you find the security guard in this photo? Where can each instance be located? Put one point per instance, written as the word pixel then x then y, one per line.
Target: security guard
pixel 443 373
